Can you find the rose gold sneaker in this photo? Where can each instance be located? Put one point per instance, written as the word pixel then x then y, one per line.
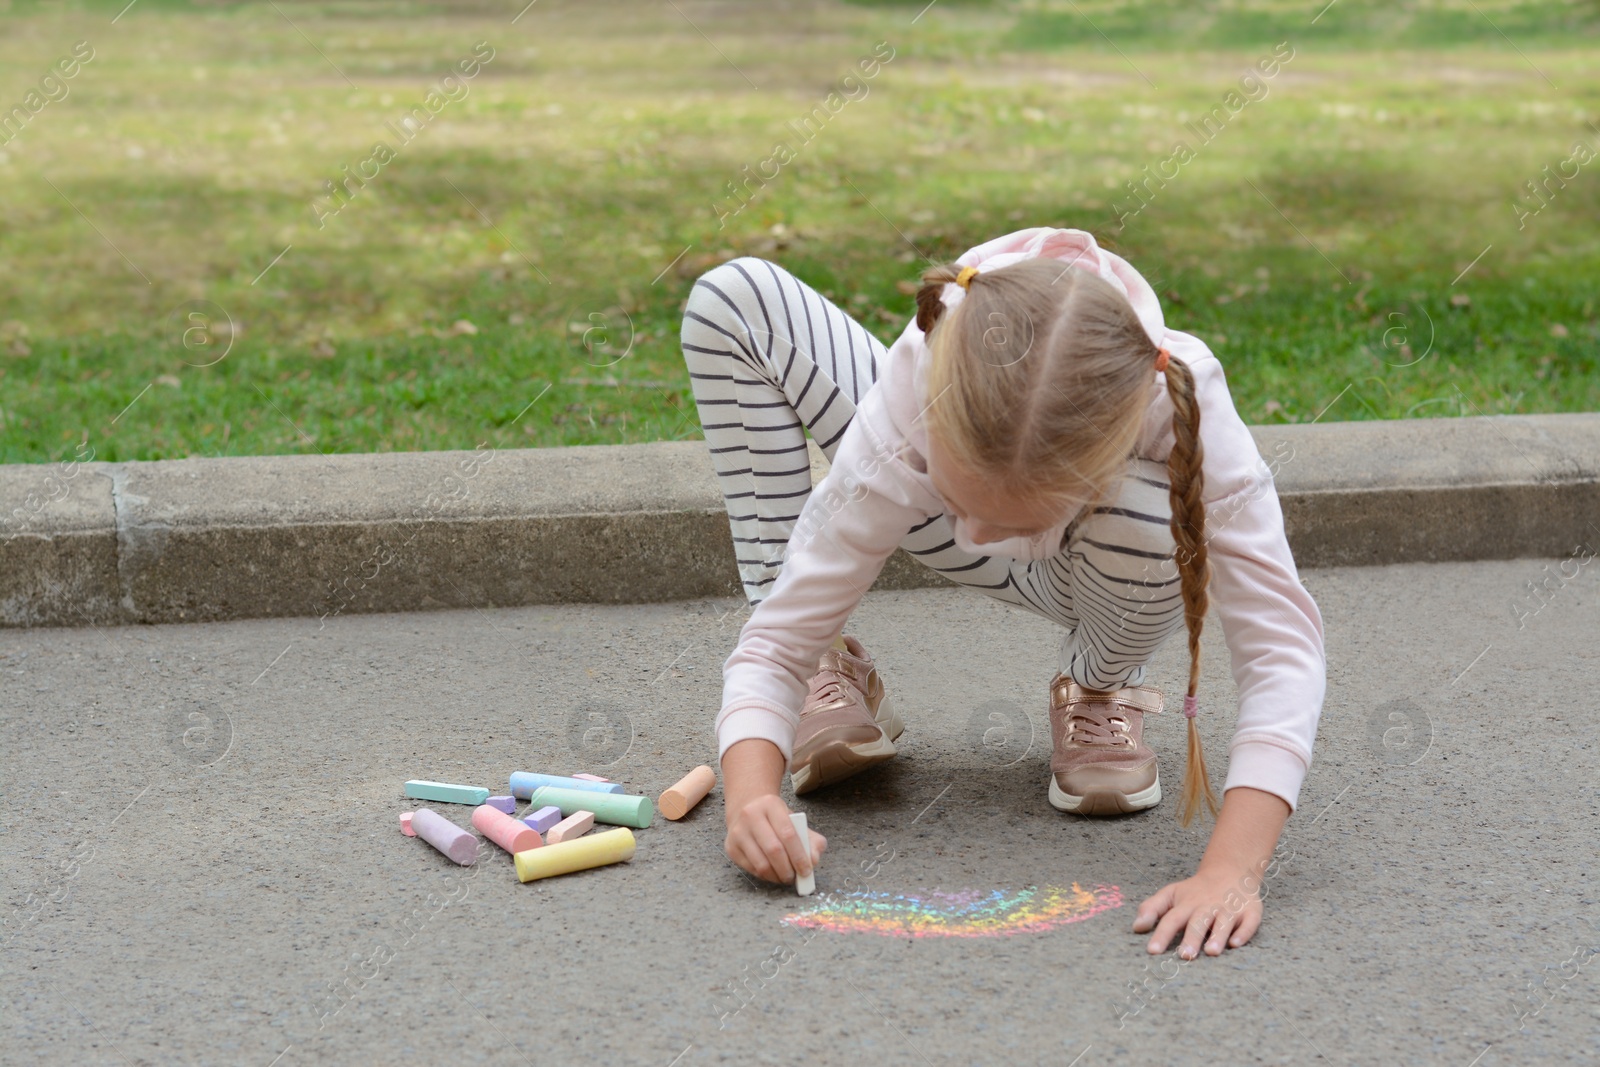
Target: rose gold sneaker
pixel 1100 764
pixel 847 723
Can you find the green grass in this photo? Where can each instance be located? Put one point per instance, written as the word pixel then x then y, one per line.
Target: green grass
pixel 1365 24
pixel 1317 232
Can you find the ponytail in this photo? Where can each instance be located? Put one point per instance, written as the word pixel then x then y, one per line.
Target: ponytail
pixel 930 298
pixel 1189 535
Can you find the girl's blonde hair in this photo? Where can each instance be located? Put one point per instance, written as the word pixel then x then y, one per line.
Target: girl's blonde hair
pixel 1038 384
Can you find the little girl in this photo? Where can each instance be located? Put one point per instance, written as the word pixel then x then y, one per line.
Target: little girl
pixel 1039 434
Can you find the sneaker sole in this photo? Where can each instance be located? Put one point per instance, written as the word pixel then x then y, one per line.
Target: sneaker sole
pixel 838 761
pixel 888 719
pixel 1105 802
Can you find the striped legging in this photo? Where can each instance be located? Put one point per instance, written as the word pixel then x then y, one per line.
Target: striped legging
pixel 770 358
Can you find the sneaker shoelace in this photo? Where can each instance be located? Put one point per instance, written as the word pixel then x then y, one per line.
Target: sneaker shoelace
pixel 828 690
pixel 827 696
pixel 1098 727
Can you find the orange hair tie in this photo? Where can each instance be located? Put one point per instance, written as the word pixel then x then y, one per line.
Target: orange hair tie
pixel 1163 359
pixel 964 279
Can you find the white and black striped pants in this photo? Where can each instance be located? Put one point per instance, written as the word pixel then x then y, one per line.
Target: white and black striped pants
pixel 770 358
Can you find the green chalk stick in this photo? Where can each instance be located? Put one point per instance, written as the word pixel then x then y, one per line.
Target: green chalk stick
pixel 617 809
pixel 450 794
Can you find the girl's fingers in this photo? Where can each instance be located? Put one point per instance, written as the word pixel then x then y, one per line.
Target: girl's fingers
pixel 743 853
pixel 1194 933
pixel 796 853
pixel 1169 926
pixel 1248 924
pixel 1221 926
pixel 1153 908
pixel 777 856
pixel 819 845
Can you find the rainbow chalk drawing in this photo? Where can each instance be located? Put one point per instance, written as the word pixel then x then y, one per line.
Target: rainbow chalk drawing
pixel 968 913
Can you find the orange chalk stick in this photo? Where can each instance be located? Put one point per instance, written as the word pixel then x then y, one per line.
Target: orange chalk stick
pixel 690 790
pixel 575 825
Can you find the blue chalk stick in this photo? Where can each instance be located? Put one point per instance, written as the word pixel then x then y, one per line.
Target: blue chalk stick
pixel 450 794
pixel 523 783
pixel 544 818
pixel 505 804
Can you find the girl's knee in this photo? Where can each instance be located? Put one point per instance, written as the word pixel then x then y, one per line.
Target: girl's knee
pixel 722 296
pixel 1142 535
pixel 732 280
pixel 1138 519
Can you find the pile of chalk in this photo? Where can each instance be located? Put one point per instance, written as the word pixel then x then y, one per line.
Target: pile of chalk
pixel 552 836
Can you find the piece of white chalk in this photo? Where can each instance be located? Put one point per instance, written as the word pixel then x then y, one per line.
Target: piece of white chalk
pixel 804 884
pixel 590 777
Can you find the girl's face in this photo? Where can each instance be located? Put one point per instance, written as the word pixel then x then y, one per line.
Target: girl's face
pixel 987 511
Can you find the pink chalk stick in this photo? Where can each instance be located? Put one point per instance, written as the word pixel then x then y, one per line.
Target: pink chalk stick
pixel 445 836
pixel 503 830
pixel 591 777
pixel 405 824
pixel 505 804
pixel 575 825
pixel 544 818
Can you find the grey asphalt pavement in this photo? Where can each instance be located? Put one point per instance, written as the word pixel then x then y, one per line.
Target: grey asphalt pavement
pixel 202 862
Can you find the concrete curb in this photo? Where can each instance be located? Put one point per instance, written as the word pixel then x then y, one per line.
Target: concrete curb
pixel 206 539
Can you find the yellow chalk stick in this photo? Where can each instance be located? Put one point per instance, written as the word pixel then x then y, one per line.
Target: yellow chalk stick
pixel 595 850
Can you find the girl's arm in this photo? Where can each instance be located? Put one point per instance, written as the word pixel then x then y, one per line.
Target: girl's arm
pixel 761 839
pixel 852 523
pixel 1274 636
pixel 1223 898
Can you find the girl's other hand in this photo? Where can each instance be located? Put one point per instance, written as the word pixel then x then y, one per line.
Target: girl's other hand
pixel 762 840
pixel 1213 910
pixel 1220 907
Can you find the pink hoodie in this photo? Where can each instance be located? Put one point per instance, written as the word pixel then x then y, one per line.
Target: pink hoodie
pixel 878 488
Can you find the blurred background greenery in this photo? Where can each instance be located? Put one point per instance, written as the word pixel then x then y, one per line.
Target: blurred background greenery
pixel 1349 243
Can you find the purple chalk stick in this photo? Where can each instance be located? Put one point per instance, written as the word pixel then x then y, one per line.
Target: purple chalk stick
pixel 505 804
pixel 543 819
pixel 445 836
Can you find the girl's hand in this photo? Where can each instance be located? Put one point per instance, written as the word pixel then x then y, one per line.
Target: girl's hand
pixel 1223 899
pixel 762 840
pixel 1225 905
